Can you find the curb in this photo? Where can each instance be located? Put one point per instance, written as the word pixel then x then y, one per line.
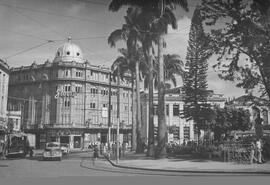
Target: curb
pixel 188 171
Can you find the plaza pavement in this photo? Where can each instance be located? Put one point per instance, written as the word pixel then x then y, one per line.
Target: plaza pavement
pixel 187 164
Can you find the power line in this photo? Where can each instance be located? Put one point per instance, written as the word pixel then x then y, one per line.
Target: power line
pixel 37 22
pixel 25 34
pixel 93 2
pixel 54 14
pixel 29 49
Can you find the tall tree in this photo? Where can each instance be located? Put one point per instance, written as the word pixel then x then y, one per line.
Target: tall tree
pixel 131 35
pixel 125 67
pixel 240 34
pixel 195 82
pixel 152 24
pixel 173 66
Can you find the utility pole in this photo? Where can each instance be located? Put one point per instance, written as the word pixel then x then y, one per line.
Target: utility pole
pixel 118 114
pixel 109 110
pixel 84 104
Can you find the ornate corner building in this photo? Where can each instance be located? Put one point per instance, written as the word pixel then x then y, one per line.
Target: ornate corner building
pixel 66 100
pixel 4 78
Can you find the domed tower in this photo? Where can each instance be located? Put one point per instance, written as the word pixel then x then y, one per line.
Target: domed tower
pixel 69 52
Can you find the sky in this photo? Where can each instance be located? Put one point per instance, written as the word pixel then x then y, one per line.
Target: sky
pixel 28 27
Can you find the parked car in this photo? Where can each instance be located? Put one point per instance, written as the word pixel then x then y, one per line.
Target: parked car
pixel 52 151
pixel 65 148
pixel 17 145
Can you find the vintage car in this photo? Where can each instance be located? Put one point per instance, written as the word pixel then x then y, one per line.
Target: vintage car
pixel 52 151
pixel 65 148
pixel 17 145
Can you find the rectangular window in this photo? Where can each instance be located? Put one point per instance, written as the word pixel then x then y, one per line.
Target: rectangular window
pixel 167 110
pixel 155 111
pixel 67 73
pixel 67 103
pixel 175 110
pixel 186 132
pixel 67 88
pixel 92 105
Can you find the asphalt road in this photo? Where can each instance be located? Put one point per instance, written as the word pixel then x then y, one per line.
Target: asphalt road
pixel 77 164
pixel 78 168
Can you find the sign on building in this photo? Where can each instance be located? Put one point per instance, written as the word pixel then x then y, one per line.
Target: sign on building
pixel 104 112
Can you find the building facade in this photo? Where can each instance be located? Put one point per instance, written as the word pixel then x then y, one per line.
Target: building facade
pixel 179 129
pixel 4 78
pixel 14 118
pixel 247 102
pixel 66 100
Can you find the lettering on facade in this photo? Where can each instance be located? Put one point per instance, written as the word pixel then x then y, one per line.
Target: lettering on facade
pixel 60 93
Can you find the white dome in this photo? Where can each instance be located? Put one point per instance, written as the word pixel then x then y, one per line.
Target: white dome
pixel 69 52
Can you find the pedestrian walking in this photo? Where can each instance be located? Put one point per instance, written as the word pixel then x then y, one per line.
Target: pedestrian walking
pixel 123 148
pixel 101 148
pixel 114 149
pixel 95 154
pixel 120 150
pixel 252 153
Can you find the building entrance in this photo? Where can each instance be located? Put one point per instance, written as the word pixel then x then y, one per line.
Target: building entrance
pixel 103 138
pixel 77 141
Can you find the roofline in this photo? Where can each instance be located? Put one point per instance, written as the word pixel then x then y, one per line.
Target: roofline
pixel 4 66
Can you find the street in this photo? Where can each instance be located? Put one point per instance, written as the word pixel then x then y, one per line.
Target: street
pixel 78 168
pixel 69 166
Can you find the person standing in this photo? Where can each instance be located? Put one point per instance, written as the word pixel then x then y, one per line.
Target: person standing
pixel 258 123
pixel 259 150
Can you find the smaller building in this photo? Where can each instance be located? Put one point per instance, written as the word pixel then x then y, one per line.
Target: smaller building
pixel 4 78
pixel 247 102
pixel 179 129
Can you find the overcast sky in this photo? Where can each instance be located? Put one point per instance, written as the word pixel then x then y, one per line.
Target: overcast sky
pixel 27 25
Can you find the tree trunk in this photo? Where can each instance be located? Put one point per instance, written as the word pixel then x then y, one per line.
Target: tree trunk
pixel 151 137
pixel 162 128
pixel 134 134
pixel 140 146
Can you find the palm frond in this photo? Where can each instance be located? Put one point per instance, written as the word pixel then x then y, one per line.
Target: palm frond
pixel 115 36
pixel 182 3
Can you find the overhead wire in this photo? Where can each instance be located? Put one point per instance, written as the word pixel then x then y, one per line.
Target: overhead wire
pixel 28 49
pixel 24 34
pixel 37 22
pixel 54 14
pixel 84 38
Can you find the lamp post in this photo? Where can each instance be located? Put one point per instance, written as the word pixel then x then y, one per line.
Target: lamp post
pixel 118 115
pixel 109 111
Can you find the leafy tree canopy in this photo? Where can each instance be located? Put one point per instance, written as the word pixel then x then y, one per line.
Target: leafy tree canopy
pixel 240 36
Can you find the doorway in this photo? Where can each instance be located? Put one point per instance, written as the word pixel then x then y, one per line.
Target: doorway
pixel 77 141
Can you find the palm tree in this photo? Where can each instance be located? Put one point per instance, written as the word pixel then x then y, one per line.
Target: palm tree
pixel 131 34
pixel 173 66
pixel 122 62
pixel 153 23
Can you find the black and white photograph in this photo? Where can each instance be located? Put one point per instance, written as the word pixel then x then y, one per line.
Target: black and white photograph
pixel 134 92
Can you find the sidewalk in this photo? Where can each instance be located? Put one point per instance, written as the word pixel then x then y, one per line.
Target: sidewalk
pixel 187 164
